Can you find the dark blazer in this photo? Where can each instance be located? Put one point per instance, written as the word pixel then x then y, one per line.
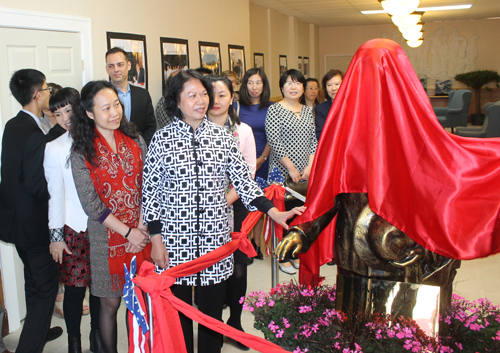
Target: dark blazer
pixel 321 112
pixel 23 189
pixel 142 113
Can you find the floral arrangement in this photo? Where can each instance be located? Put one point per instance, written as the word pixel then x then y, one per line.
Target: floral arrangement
pixel 303 319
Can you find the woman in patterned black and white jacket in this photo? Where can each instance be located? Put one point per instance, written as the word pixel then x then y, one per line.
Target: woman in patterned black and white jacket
pixel 184 202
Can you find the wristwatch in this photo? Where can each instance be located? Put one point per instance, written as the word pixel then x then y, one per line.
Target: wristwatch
pixel 265 158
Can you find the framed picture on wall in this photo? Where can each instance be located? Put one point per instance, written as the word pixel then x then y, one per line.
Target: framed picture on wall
pixel 306 67
pixel 299 65
pixel 135 46
pixel 258 60
pixel 237 60
pixel 210 56
pixel 283 64
pixel 174 56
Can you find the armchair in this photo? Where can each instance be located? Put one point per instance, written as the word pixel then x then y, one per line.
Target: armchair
pixel 491 125
pixel 457 112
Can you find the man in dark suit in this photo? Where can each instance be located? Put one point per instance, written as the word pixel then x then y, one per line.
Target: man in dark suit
pixel 137 101
pixel 24 207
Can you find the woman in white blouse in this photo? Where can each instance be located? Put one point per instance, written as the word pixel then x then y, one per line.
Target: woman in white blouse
pixel 223 114
pixel 68 225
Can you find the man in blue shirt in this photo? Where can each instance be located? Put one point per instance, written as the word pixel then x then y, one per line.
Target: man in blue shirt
pixel 137 101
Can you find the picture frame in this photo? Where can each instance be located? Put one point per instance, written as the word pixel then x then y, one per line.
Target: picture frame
pixel 299 65
pixel 237 60
pixel 135 46
pixel 258 60
pixel 210 56
pixel 283 64
pixel 174 56
pixel 306 67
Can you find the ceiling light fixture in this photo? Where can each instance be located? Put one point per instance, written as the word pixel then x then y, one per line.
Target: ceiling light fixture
pixel 412 34
pixel 414 43
pixel 438 8
pixel 408 20
pixel 399 7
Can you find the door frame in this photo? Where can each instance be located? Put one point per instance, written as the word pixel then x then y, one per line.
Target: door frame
pixel 15 18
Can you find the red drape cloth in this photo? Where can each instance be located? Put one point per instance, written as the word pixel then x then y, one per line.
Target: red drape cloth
pixel 167 332
pixel 382 137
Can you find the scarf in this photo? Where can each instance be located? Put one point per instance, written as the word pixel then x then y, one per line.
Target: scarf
pixel 118 180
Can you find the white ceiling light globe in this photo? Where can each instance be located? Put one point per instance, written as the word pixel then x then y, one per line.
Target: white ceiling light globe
pixel 411 35
pixel 414 43
pixel 406 21
pixel 400 7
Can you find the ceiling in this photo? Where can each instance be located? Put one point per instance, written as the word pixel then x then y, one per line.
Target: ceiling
pixel 347 12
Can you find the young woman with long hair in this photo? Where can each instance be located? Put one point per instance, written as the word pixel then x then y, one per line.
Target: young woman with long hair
pixel 107 161
pixel 68 225
pixel 251 108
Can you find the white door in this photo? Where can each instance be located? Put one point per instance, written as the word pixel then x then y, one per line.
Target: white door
pixel 58 55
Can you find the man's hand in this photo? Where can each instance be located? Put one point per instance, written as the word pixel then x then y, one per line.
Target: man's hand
pixel 293 241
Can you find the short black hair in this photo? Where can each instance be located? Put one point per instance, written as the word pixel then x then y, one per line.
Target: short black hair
pixel 245 98
pixel 204 71
pixel 328 76
pixel 115 50
pixel 235 119
pixel 172 98
pixel 63 97
pixel 295 75
pixel 25 83
pixel 303 98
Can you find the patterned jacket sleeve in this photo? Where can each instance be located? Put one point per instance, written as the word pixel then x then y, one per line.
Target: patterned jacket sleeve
pixel 152 185
pixel 314 142
pixel 273 132
pixel 241 177
pixel 89 198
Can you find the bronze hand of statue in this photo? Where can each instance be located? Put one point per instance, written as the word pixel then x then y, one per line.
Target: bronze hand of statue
pixel 293 241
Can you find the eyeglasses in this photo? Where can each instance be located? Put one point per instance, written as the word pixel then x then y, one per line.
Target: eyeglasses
pixel 295 83
pixel 49 88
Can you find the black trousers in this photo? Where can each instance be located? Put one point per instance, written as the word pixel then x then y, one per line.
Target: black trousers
pixel 40 286
pixel 209 300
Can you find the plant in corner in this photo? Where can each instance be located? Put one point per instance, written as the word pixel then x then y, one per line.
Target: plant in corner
pixel 476 80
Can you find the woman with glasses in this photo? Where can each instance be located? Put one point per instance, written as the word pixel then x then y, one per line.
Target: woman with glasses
pixel 291 135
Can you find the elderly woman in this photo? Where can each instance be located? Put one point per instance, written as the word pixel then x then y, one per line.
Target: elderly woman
pixel 184 201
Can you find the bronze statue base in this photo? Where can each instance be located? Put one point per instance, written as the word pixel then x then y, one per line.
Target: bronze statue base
pixel 362 297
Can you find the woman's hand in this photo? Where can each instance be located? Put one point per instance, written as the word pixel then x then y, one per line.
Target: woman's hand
pixel 131 248
pixel 138 238
pixel 294 174
pixel 282 217
pixel 306 173
pixel 57 249
pixel 159 253
pixel 260 162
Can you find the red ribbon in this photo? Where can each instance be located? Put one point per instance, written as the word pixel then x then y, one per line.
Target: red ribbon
pixel 167 332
